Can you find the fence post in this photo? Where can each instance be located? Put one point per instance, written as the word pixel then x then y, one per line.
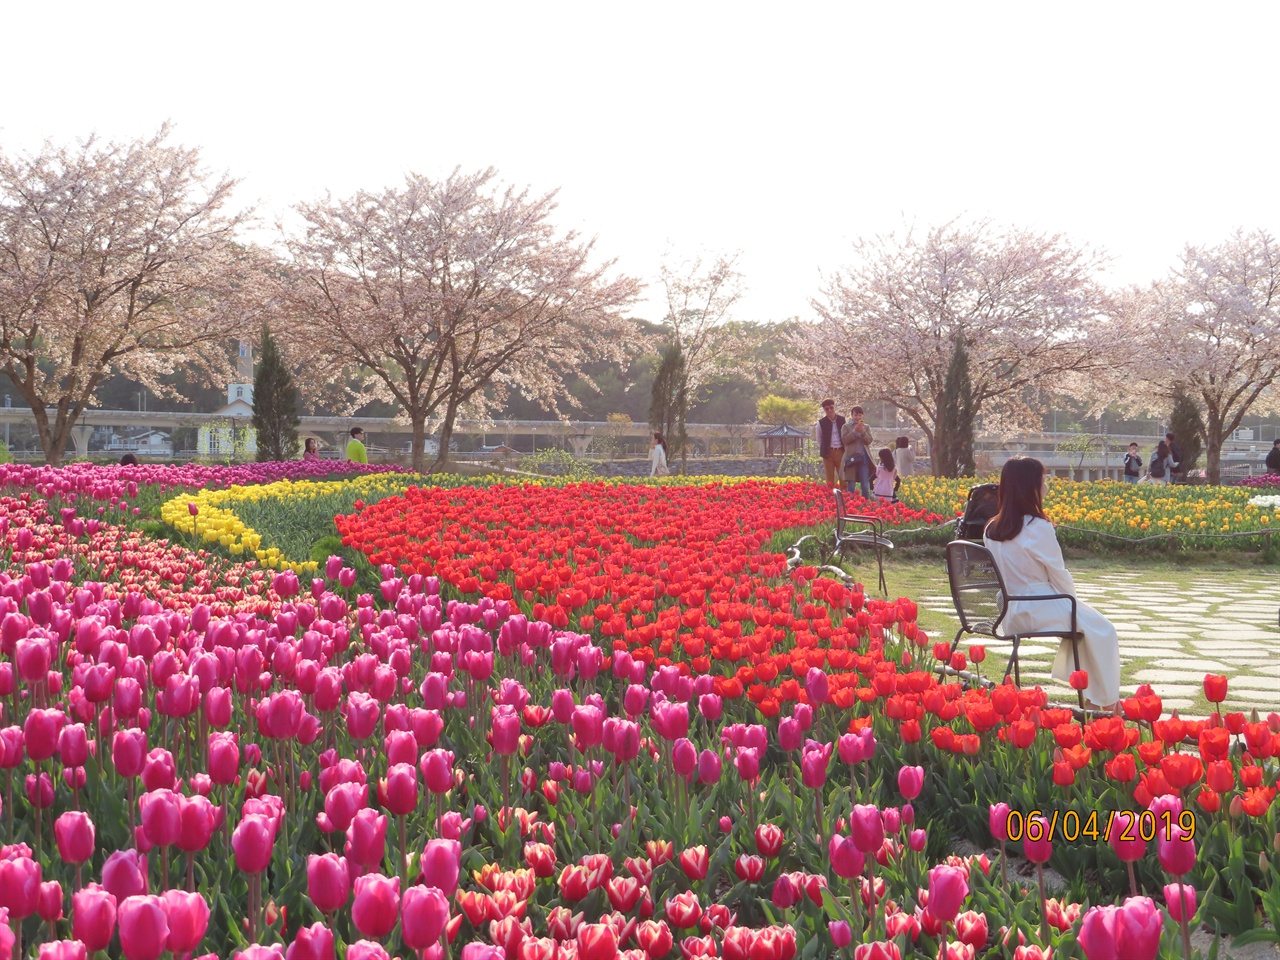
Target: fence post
pixel 1173 543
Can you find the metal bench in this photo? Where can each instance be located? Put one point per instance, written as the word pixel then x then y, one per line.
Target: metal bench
pixel 981 601
pixel 861 530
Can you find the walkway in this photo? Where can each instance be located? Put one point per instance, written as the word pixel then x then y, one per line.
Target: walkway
pixel 1173 633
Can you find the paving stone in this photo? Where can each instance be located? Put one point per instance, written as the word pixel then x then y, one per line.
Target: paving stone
pixel 1254 680
pixel 1156 676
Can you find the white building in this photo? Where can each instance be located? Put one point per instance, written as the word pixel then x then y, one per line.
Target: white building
pixel 235 438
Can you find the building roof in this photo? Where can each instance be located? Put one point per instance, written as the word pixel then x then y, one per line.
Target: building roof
pixel 236 408
pixel 782 430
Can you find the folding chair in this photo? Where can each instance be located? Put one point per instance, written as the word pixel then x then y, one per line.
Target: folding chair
pixel 981 600
pixel 862 531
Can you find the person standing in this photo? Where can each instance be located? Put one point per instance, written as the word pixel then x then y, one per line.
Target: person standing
pixel 904 457
pixel 1132 464
pixel 658 456
pixel 1175 453
pixel 857 439
pixel 356 452
pixel 309 449
pixel 830 446
pixel 886 477
pixel 1161 468
pixel 1273 458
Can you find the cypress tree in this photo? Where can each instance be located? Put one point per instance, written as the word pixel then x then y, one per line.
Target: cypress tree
pixel 669 403
pixel 954 428
pixel 275 404
pixel 1187 427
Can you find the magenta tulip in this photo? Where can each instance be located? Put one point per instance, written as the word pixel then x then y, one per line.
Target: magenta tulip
pixel 188 916
pixel 1125 837
pixel 377 904
pixel 1177 849
pixel 910 782
pixel 61 950
pixel 252 842
pixel 93 916
pixel 144 927
pixel 311 943
pixel 867 828
pixel 75 835
pixel 1181 900
pixel 424 913
pixel 440 865
pixel 125 874
pixel 947 891
pixel 1036 845
pixel 328 882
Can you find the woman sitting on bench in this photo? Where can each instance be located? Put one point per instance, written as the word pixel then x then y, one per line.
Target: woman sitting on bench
pixel 1025 547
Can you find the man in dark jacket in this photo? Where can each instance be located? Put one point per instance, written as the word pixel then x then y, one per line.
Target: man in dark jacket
pixel 830 446
pixel 1273 458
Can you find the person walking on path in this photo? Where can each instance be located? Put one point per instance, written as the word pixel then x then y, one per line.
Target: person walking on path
pixel 830 446
pixel 356 452
pixel 1175 453
pixel 1132 464
pixel 904 457
pixel 1273 457
pixel 858 465
pixel 658 457
pixel 1029 557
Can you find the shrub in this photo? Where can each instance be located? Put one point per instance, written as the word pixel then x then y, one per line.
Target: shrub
pixel 800 464
pixel 558 463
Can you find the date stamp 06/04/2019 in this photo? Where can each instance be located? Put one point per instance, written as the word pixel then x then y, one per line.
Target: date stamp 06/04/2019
pixel 1099 825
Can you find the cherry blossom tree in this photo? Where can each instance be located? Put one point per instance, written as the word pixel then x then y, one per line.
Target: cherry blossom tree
pixel 444 295
pixel 1028 306
pixel 1212 327
pixel 701 295
pixel 115 258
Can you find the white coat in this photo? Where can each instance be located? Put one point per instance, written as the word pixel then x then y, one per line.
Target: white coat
pixel 1031 565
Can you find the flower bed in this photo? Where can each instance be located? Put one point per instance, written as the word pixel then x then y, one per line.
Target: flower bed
pixel 1120 509
pixel 576 722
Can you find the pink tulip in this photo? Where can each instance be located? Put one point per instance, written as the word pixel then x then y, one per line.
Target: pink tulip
pixel 75 835
pixel 367 839
pixel 198 817
pixel 437 770
pixel 144 927
pixel 49 903
pixel 947 891
pixel 161 817
pixel 910 782
pixel 998 821
pixel 1130 931
pixel 328 882
pixel 1177 849
pixel 40 732
pixel 311 943
pixel 73 745
pixel 401 789
pixel 847 860
pixel 61 950
pixel 377 904
pixel 1036 844
pixel 93 916
pixel 817 686
pixel 368 950
pixel 20 880
pixel 1181 900
pixel 188 916
pixel 1125 837
pixel 867 828
pixel 424 913
pixel 440 865
pixel 252 842
pixel 125 874
pixel 506 732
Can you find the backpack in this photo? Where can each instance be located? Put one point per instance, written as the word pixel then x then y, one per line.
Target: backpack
pixel 1157 466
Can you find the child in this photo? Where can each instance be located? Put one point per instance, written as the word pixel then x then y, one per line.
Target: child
pixel 886 476
pixel 905 457
pixel 1132 464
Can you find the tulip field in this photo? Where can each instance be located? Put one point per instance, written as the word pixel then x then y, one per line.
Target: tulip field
pixel 1190 514
pixel 562 720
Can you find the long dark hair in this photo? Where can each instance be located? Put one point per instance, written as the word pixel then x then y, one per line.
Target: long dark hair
pixel 1162 450
pixel 310 445
pixel 1021 495
pixel 886 458
pixel 661 442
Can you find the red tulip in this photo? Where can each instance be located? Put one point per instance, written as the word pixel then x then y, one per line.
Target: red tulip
pixel 597 941
pixel 769 840
pixel 144 927
pixel 1215 688
pixel 377 904
pixel 694 862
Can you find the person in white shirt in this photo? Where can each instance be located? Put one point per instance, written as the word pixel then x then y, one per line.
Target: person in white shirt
pixel 658 457
pixel 1026 550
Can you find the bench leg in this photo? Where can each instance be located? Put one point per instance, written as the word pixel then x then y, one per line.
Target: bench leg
pixel 884 589
pixel 1012 665
pixel 1075 658
pixel 956 642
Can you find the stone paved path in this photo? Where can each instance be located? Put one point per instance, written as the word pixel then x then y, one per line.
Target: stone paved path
pixel 1171 638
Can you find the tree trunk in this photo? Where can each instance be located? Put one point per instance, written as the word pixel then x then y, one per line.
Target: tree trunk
pixel 1214 437
pixel 418 447
pixel 446 435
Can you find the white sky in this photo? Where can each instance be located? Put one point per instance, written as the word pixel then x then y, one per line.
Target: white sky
pixel 781 129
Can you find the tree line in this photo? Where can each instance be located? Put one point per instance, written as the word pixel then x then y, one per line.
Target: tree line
pixel 124 264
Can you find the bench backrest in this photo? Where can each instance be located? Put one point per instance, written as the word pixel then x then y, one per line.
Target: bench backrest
pixel 977 589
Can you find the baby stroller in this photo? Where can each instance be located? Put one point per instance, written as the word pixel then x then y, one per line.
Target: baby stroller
pixel 981 506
